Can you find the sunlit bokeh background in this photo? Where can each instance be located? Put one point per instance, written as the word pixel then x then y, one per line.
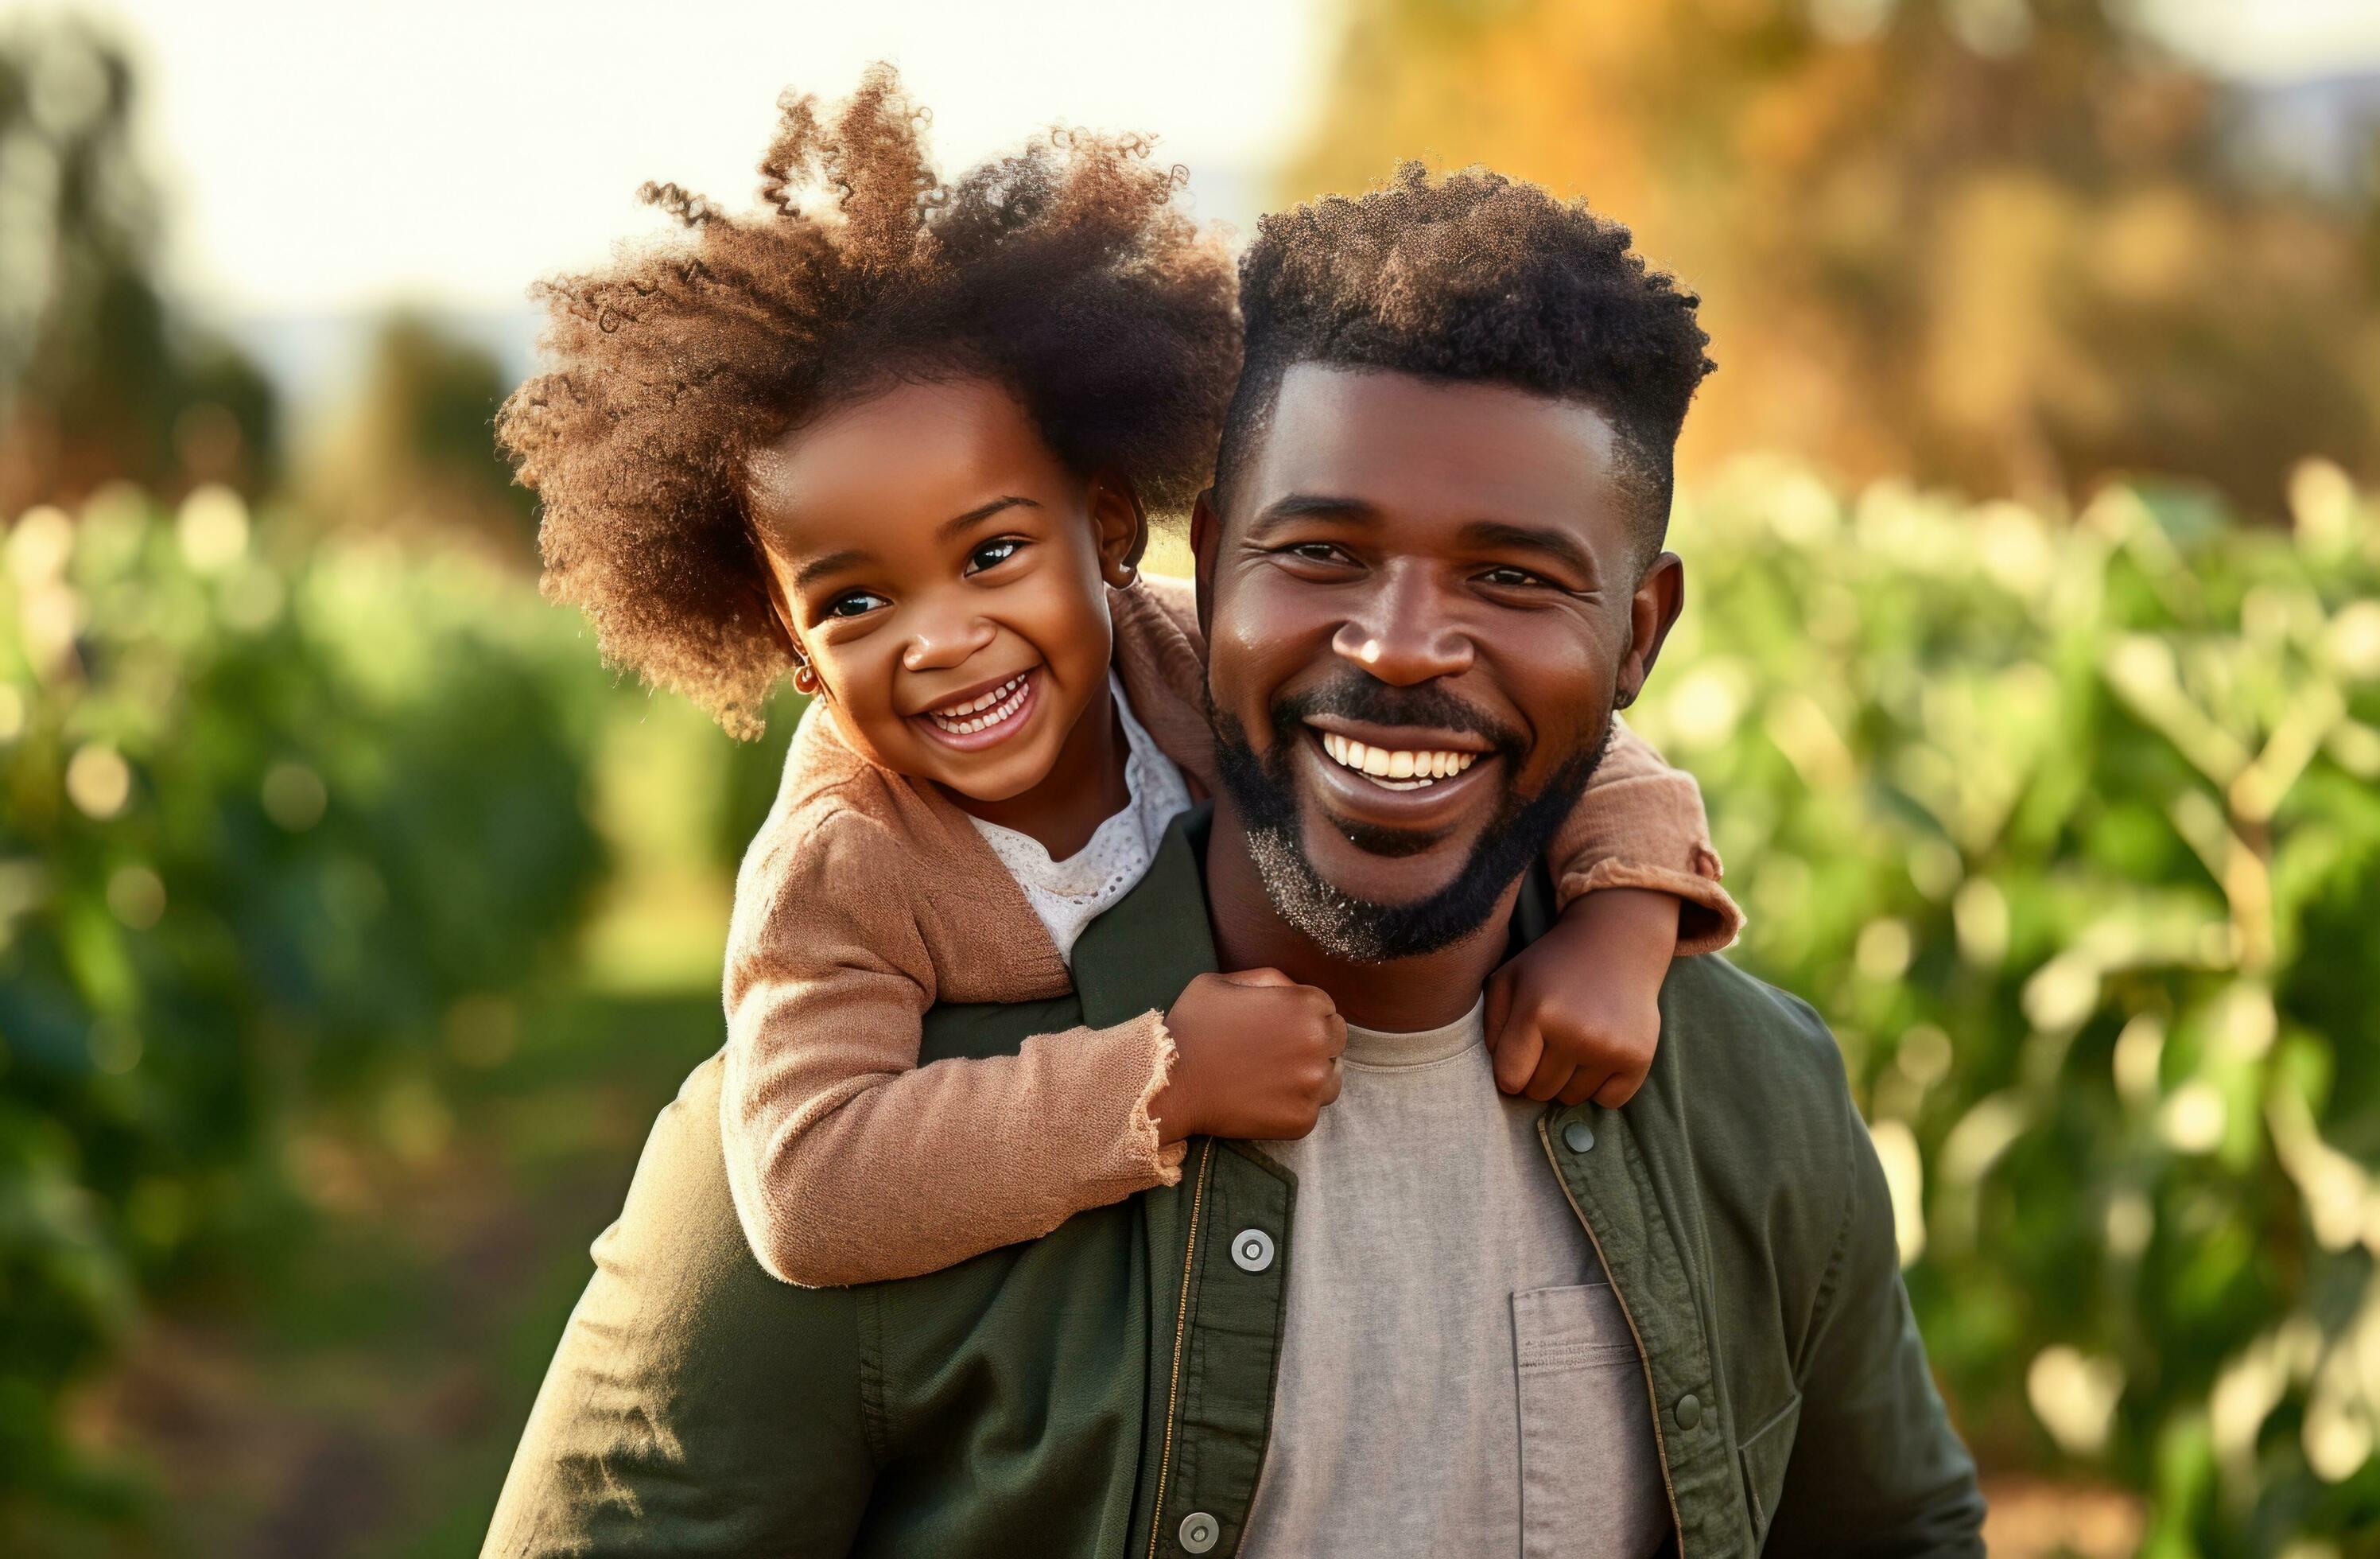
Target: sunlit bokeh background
pixel 354 921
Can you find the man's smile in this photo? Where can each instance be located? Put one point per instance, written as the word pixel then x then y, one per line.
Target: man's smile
pixel 1398 760
pixel 1400 777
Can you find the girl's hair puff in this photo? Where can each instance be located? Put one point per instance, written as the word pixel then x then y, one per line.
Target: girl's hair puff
pixel 1067 272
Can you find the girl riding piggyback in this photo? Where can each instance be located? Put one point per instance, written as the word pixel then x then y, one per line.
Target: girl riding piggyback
pixel 899 440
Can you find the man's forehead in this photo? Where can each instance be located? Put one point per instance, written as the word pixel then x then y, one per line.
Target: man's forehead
pixel 1401 442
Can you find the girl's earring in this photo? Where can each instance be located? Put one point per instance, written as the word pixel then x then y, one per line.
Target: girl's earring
pixel 806 679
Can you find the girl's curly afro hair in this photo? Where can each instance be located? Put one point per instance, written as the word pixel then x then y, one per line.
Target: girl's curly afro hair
pixel 1067 272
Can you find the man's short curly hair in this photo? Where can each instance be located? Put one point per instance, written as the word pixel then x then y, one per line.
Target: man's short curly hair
pixel 1475 276
pixel 1067 272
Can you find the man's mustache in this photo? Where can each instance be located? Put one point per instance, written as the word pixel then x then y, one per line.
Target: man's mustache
pixel 1358 697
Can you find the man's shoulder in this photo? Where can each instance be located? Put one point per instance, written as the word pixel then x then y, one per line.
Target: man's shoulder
pixel 1775 1032
pixel 677 1234
pixel 1755 1066
pixel 695 1404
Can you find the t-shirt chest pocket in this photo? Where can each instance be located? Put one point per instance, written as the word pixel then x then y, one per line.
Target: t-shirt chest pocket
pixel 1590 1469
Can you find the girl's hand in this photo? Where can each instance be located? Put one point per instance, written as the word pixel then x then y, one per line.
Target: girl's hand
pixel 1256 1054
pixel 1576 1014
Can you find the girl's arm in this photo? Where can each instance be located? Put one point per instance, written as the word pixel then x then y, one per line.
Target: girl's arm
pixel 849 1161
pixel 1641 825
pixel 1576 1014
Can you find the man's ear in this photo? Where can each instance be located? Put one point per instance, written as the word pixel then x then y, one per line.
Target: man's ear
pixel 1121 522
pixel 1652 611
pixel 1206 534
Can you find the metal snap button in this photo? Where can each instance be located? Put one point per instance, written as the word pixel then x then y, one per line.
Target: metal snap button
pixel 1578 1137
pixel 1198 1532
pixel 1690 1410
pixel 1252 1248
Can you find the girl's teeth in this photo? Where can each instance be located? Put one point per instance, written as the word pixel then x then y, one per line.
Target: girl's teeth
pixel 995 706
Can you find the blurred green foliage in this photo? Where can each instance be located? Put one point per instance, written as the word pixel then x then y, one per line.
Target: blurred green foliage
pixel 267 833
pixel 2071 830
pixel 2073 833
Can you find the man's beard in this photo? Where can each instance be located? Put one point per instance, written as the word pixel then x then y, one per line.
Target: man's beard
pixel 1361 930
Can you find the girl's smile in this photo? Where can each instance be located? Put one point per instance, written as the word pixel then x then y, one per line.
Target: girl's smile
pixel 973 721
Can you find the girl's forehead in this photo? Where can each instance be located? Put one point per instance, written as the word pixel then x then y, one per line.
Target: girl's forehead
pixel 922 444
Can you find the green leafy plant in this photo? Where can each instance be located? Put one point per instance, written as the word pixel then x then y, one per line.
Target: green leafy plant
pixel 267 833
pixel 2073 830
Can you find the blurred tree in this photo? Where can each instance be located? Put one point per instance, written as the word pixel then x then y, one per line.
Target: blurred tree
pixel 2000 243
pixel 98 377
pixel 417 448
pixel 276 836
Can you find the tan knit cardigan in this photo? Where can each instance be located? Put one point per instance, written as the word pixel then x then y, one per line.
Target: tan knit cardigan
pixel 865 899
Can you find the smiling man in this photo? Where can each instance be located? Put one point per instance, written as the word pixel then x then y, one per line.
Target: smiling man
pixel 1437 535
pixel 1448 1321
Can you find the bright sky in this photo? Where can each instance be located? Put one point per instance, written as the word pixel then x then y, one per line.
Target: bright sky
pixel 2274 38
pixel 341 156
pixel 327 157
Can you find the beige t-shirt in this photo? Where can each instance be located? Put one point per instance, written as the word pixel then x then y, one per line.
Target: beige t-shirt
pixel 1456 1376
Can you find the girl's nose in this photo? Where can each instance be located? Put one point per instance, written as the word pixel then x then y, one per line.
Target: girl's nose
pixel 940 644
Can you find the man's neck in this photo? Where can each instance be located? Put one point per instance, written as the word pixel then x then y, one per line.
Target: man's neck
pixel 1403 995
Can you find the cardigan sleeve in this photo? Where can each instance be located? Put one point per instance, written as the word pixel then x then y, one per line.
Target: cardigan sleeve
pixel 838 1142
pixel 1640 824
pixel 1162 659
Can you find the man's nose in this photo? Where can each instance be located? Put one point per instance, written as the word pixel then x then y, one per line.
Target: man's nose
pixel 1406 633
pixel 943 639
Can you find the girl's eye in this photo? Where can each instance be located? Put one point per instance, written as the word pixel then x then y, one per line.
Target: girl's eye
pixel 991 554
pixel 858 603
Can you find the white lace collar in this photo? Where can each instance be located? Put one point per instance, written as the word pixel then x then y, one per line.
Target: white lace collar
pixel 1069 895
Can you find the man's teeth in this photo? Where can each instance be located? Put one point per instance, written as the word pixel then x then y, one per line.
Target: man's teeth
pixel 1399 770
pixel 982 713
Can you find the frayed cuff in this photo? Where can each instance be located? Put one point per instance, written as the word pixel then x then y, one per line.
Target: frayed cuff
pixel 1147 1161
pixel 1708 918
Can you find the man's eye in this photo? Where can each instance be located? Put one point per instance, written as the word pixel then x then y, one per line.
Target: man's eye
pixel 991 554
pixel 1511 579
pixel 858 603
pixel 1315 552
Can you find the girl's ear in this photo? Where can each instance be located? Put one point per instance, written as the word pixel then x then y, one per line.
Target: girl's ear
pixel 1122 524
pixel 780 618
pixel 806 677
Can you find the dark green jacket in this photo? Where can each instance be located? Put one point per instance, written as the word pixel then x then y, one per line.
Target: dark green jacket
pixel 1091 1392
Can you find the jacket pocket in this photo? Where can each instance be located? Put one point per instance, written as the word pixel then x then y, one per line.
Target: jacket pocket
pixel 1590 1474
pixel 1764 1456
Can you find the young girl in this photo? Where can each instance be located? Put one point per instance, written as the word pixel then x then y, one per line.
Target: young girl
pixel 896 438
